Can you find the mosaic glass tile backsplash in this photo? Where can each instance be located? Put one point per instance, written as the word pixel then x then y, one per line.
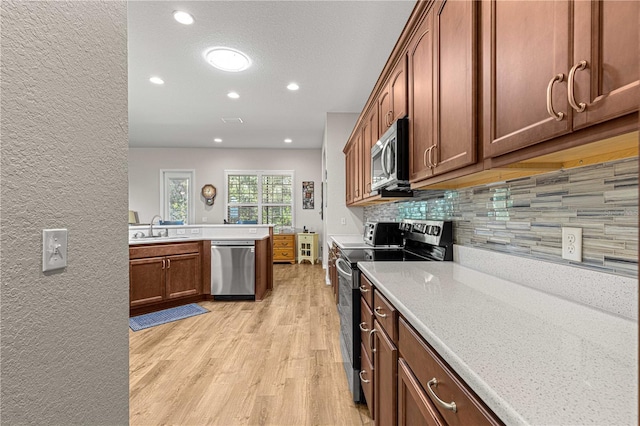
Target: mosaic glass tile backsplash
pixel 524 216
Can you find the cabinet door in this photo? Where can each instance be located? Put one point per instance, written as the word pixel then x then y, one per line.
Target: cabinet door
pixel 398 90
pixel 349 174
pixel 358 167
pixel 183 275
pixel 384 109
pixel 606 38
pixel 414 407
pixel 385 367
pixel 370 137
pixel 420 64
pixel 525 46
pixel 455 85
pixel 146 281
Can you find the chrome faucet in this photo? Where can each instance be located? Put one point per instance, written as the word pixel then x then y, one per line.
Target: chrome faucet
pixel 151 224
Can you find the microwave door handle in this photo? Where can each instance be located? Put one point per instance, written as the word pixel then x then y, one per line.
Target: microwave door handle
pixel 384 159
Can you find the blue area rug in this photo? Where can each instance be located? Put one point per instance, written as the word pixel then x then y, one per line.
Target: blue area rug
pixel 167 315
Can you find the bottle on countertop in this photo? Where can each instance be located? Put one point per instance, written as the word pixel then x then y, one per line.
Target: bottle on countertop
pixel 304 229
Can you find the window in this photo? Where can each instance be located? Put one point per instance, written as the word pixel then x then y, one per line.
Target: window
pixel 176 195
pixel 263 196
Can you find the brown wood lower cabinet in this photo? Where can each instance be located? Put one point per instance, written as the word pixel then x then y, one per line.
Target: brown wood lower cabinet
pixel 454 401
pixel 161 275
pixel 405 381
pixel 414 407
pixel 385 367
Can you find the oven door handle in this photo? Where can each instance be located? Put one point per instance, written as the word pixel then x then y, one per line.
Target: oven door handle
pixel 347 272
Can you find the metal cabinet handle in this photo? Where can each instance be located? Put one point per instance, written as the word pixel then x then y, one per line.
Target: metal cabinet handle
pixel 361 378
pixel 375 311
pixel 363 327
pixel 433 163
pixel 571 83
pixel 390 118
pixel 371 341
pixel 557 115
pixel 363 289
pixel 168 263
pixel 424 157
pixel 162 263
pixel 446 405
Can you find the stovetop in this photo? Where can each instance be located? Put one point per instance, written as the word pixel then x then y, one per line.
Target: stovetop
pixel 424 240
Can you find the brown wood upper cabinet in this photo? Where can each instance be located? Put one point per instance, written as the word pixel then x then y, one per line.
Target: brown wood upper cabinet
pixel 541 80
pixel 392 101
pixel 353 168
pixel 370 136
pixel 442 90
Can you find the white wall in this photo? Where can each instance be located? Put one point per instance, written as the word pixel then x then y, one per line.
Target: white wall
pixel 338 128
pixel 63 152
pixel 209 166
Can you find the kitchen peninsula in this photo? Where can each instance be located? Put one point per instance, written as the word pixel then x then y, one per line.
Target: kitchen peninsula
pixel 170 265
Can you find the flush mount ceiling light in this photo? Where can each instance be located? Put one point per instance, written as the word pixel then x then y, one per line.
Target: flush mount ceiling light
pixel 227 59
pixel 288 140
pixel 217 140
pixel 233 95
pixel 156 80
pixel 183 17
pixel 293 86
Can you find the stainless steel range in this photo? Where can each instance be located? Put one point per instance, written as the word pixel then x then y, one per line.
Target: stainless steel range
pixel 423 240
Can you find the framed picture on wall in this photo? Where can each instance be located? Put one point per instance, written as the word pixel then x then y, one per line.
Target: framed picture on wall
pixel 307 195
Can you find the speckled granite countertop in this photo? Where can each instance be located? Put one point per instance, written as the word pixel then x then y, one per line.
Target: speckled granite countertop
pixel 532 357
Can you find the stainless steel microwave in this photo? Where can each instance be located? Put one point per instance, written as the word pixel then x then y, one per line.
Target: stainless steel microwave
pixel 390 158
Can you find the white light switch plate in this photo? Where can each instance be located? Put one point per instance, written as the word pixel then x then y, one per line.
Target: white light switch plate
pixel 54 249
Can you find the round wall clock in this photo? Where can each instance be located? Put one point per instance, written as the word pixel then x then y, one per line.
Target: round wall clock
pixel 209 193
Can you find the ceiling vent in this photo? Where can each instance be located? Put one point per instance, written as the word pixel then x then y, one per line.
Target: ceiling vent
pixel 232 120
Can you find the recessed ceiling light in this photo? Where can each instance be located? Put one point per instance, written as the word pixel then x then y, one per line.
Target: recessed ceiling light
pixel 293 86
pixel 227 59
pixel 288 140
pixel 217 140
pixel 156 80
pixel 183 17
pixel 233 95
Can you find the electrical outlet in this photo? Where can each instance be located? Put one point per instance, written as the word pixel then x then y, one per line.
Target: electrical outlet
pixel 572 244
pixel 180 231
pixel 343 221
pixel 204 219
pixel 195 231
pixel 252 230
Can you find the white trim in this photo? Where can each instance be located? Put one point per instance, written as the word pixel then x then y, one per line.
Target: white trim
pixel 191 175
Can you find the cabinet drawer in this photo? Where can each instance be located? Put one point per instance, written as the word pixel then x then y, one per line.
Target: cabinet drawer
pixel 366 325
pixel 283 241
pixel 386 314
pixel 366 290
pixel 305 238
pixel 426 365
pixel 283 253
pixel 366 378
pixel 156 250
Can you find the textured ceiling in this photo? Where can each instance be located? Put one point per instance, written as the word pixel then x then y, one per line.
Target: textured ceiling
pixel 335 51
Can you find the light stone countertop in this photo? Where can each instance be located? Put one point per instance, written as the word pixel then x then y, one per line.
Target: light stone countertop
pixel 532 357
pixel 184 233
pixel 349 241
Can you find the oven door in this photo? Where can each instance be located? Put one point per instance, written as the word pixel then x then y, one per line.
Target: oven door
pixel 349 314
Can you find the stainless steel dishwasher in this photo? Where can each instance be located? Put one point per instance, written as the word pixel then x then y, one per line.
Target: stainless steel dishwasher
pixel 233 270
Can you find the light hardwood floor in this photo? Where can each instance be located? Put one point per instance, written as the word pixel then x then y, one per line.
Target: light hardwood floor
pixel 275 362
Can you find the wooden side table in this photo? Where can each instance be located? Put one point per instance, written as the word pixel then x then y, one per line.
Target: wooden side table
pixel 307 247
pixel 284 246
